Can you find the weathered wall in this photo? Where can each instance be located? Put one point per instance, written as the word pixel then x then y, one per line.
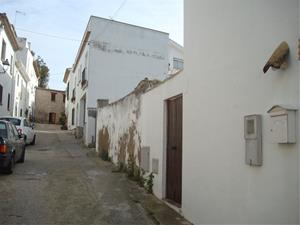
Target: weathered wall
pixel 118 129
pixel 225 52
pixel 44 105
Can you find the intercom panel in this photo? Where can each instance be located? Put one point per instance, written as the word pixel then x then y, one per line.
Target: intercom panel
pixel 253 140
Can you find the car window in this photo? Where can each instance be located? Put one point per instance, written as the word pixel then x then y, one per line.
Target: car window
pixel 14 121
pixel 14 130
pixel 10 132
pixel 3 130
pixel 26 123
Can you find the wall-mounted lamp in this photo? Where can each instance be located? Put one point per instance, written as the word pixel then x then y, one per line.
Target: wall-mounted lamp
pixel 5 66
pixel 278 59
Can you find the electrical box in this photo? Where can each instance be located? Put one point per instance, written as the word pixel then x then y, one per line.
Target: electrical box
pixel 155 165
pixel 253 140
pixel 283 124
pixel 145 158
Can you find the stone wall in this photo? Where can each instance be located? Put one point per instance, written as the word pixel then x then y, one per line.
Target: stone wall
pixel 45 106
pixel 118 126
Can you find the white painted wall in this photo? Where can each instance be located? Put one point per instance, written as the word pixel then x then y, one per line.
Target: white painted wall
pixel 21 94
pixel 25 56
pixel 132 53
pixel 6 79
pixel 226 46
pixel 117 57
pixel 153 124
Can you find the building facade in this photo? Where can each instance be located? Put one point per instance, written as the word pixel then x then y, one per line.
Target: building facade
pixel 19 77
pixel 222 138
pixel 50 105
pixel 112 59
pixel 227 44
pixel 25 57
pixel 8 47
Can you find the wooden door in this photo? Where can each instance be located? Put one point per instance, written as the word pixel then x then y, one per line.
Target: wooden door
pixel 52 118
pixel 174 150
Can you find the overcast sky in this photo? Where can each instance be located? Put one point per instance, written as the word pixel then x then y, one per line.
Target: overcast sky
pixel 68 19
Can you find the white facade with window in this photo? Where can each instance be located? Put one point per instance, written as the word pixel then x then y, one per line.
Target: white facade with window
pixel 176 53
pixel 8 46
pixel 18 83
pixel 111 60
pixel 21 97
pixel 26 57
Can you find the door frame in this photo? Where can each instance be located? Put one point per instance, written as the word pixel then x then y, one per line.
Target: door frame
pixel 165 143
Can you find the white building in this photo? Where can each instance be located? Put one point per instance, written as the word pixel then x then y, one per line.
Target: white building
pixel 227 44
pixel 19 79
pixel 30 71
pixel 113 57
pixel 222 138
pixel 8 46
pixel 21 97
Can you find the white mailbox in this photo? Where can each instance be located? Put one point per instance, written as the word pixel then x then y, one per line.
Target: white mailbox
pixel 283 124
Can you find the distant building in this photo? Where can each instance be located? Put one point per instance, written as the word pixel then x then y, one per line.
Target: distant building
pixel 50 104
pixel 112 59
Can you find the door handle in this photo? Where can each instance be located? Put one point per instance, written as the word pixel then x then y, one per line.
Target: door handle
pixel 173 147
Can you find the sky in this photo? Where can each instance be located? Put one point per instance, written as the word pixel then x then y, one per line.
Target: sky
pixel 56 27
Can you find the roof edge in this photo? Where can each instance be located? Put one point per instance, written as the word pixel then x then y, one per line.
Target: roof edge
pixel 132 25
pixel 12 36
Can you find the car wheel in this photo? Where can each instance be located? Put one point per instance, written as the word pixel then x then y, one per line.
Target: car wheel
pixel 11 165
pixel 33 141
pixel 22 159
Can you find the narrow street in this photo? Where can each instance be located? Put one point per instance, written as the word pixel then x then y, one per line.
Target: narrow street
pixel 63 183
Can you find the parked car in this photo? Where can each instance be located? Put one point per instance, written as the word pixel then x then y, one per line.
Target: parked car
pixel 24 127
pixel 12 147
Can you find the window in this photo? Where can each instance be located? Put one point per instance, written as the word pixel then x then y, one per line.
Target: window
pixel 3 51
pixel 14 121
pixel 15 131
pixel 64 98
pixel 68 87
pixel 21 112
pixel 83 78
pixel 1 92
pixel 8 102
pixel 83 75
pixel 53 96
pixel 177 64
pixel 73 116
pixel 3 130
pixel 11 65
pixel 26 123
pixel 10 132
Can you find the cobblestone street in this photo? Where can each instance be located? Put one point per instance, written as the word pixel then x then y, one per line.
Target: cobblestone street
pixel 63 183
